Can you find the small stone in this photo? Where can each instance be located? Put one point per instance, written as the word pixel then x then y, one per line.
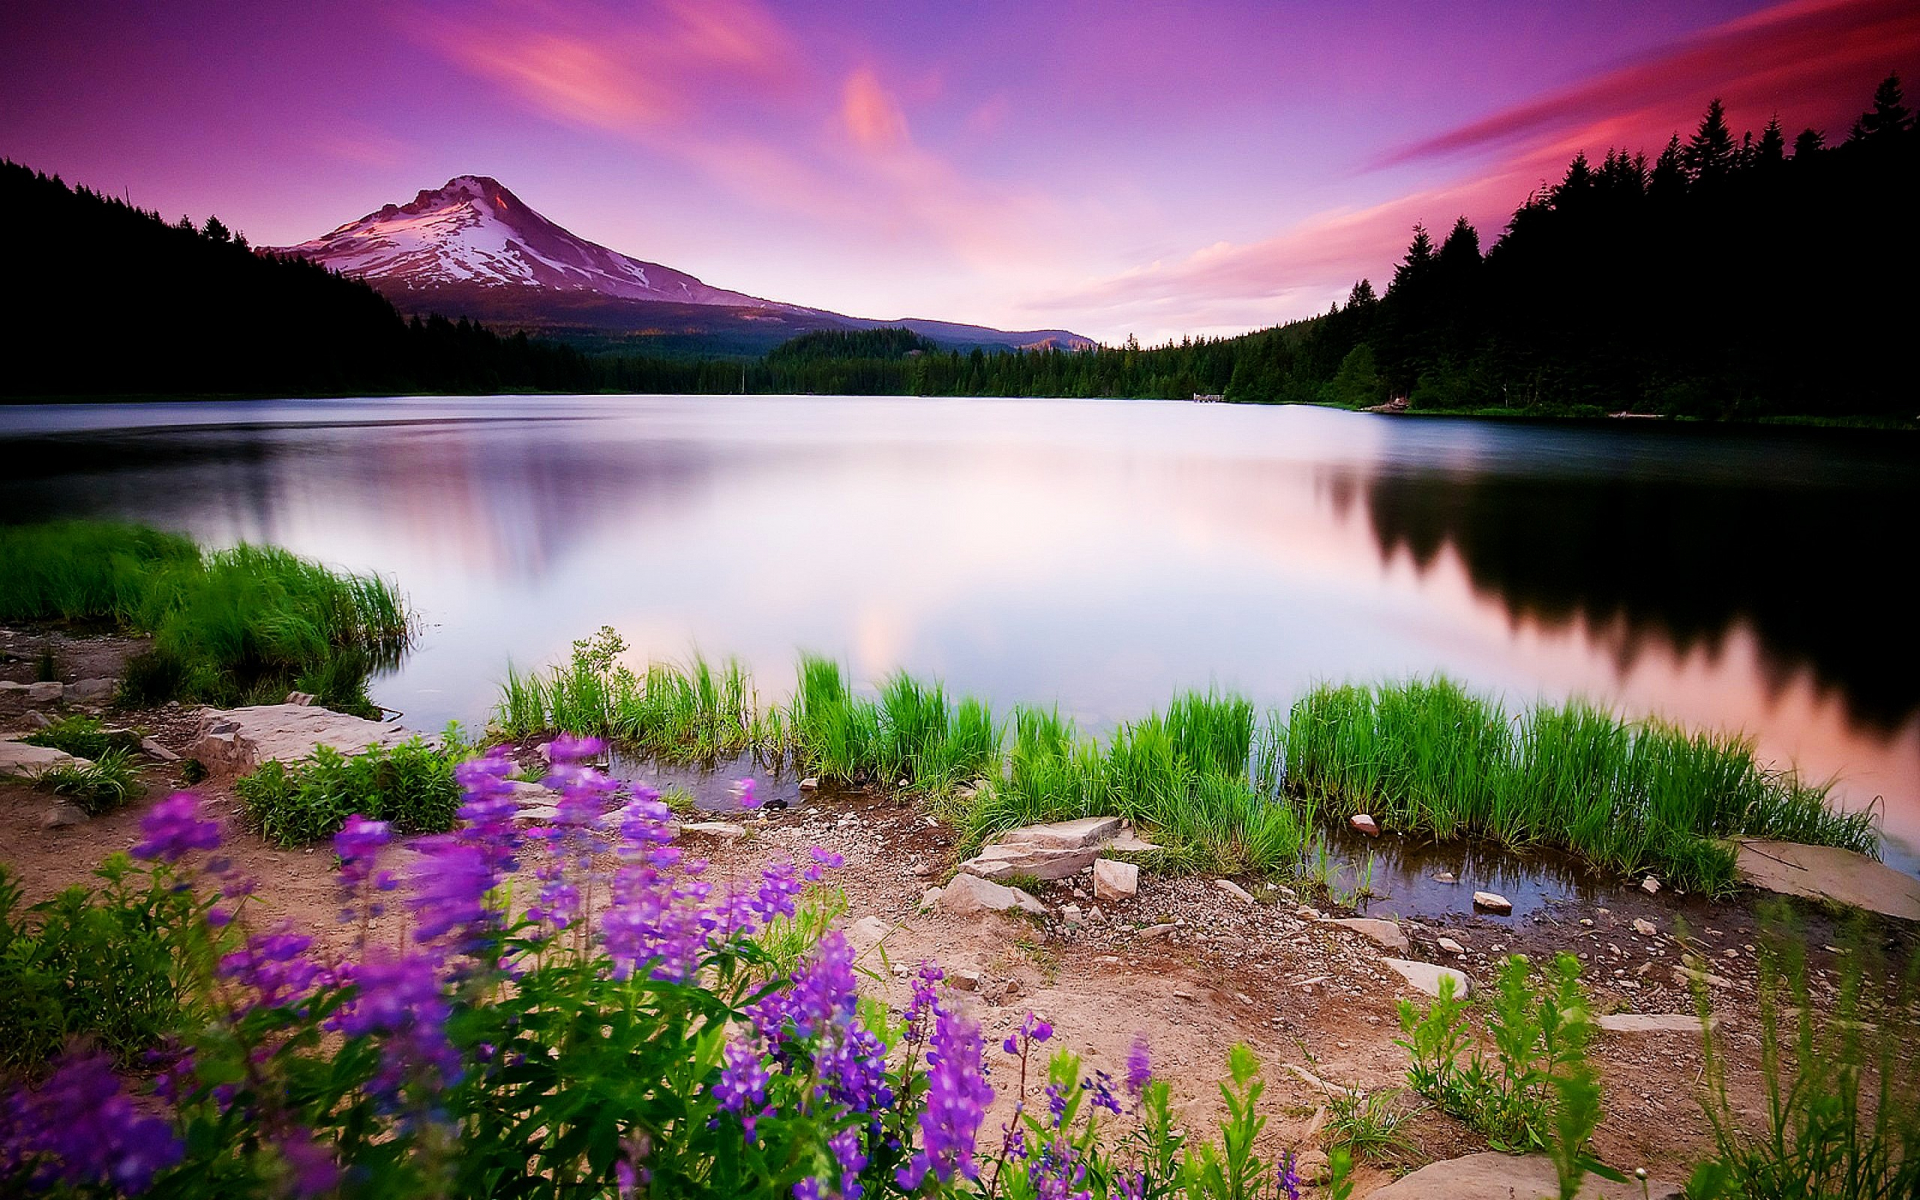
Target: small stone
pixel 929 898
pixel 726 831
pixel 36 719
pixel 45 692
pixel 1235 890
pixel 1650 885
pixel 1446 877
pixel 1114 880
pixel 303 699
pixel 1653 1023
pixel 1365 824
pixel 62 815
pixel 866 933
pixel 810 784
pixel 1182 994
pixel 1451 946
pixel 1095 915
pixel 971 894
pixel 1586 922
pixel 965 980
pixel 1493 902
pixel 1644 927
pixel 157 752
pixel 88 691
pixel 1426 977
pixel 1384 933
pixel 1155 931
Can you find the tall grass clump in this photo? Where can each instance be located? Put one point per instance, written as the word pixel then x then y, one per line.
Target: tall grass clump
pixel 1182 776
pixel 912 735
pixel 231 626
pixel 690 711
pixel 1841 1079
pixel 1426 756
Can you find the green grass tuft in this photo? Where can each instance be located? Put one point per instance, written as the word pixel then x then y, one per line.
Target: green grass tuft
pixel 411 785
pixel 100 786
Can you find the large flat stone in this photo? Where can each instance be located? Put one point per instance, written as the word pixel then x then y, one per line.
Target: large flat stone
pixel 1828 873
pixel 1495 1176
pixel 1653 1023
pixel 1001 860
pixel 1065 835
pixel 231 742
pixel 1427 976
pixel 1385 933
pixel 23 761
pixel 972 894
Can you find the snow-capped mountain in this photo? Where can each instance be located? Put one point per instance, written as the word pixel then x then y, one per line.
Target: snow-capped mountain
pixel 474 249
pixel 475 231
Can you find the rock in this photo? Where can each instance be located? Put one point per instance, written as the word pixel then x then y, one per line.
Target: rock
pixel 1070 914
pixel 62 815
pixel 1644 927
pixel 157 752
pixel 1312 1167
pixel 726 831
pixel 1114 880
pixel 1426 977
pixel 45 692
pixel 528 794
pixel 929 898
pixel 1235 890
pixel 89 691
pixel 810 784
pixel 1686 976
pixel 232 742
pixel 1827 873
pixel 36 719
pixel 1451 946
pixel 1650 885
pixel 965 980
pixel 921 870
pixel 1127 843
pixel 537 812
pixel 1385 933
pixel 23 761
pixel 1493 902
pixel 972 894
pixel 1064 835
pixel 866 933
pixel 303 699
pixel 1446 877
pixel 1156 931
pixel 1492 1174
pixel 1653 1023
pixel 1365 824
pixel 999 860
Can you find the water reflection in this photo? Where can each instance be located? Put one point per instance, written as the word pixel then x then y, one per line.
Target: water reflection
pixel 1096 555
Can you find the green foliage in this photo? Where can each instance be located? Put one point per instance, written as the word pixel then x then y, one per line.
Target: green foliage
pixel 1369 1123
pixel 1427 756
pixel 1230 1169
pixel 1535 1092
pixel 96 962
pixel 411 786
pixel 1841 1076
pixel 80 736
pixel 229 626
pixel 892 342
pixel 96 787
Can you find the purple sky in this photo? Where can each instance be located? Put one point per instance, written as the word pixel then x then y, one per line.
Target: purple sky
pixel 1155 168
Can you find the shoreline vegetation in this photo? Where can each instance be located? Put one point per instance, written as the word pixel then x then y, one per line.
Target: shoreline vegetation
pixel 1679 284
pixel 1219 787
pixel 239 626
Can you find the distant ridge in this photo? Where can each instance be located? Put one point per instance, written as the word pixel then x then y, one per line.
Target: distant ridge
pixel 472 248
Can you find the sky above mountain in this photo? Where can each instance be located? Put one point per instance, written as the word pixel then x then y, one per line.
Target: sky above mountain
pixel 1158 169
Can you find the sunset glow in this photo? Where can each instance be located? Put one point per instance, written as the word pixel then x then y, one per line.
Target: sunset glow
pixel 1159 170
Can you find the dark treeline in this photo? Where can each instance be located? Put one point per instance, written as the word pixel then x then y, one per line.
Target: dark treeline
pixel 110 298
pixel 1724 277
pixel 1727 276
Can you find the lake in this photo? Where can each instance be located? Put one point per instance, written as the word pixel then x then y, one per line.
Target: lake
pixel 1095 554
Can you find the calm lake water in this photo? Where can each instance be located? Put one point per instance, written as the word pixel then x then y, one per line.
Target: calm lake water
pixel 1097 554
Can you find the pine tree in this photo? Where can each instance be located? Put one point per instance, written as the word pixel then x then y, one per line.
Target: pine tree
pixel 1710 155
pixel 1887 119
pixel 1772 150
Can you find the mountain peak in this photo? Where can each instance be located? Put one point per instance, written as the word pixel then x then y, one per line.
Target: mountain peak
pixel 473 231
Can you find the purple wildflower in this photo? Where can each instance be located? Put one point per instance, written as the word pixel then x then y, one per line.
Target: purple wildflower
pixel 449 886
pixel 400 1000
pixel 311 1170
pixel 808 1189
pixel 358 845
pixel 275 968
pixel 926 998
pixel 1101 1085
pixel 743 1084
pixel 79 1128
pixel 743 791
pixel 852 1160
pixel 957 1098
pixel 1287 1177
pixel 823 861
pixel 1139 1066
pixel 173 829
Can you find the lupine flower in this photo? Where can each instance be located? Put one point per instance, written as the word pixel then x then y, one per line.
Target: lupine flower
pixel 1287 1176
pixel 358 845
pixel 823 861
pixel 173 829
pixel 957 1098
pixel 852 1160
pixel 1139 1066
pixel 80 1129
pixel 926 996
pixel 743 1084
pixel 743 791
pixel 311 1170
pixel 274 967
pixel 400 1000
pixel 1101 1085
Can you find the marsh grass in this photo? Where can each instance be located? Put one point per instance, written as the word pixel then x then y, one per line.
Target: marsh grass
pixel 96 787
pixel 243 625
pixel 912 735
pixel 1425 756
pixel 1840 1073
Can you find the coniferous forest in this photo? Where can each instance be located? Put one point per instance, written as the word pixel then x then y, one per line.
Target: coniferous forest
pixel 1727 275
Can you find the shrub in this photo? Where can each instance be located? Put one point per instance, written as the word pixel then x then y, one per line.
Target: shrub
pixel 410 786
pixel 92 962
pixel 82 737
pixel 95 787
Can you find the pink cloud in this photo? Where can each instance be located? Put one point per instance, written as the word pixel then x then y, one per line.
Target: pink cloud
pixel 872 115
